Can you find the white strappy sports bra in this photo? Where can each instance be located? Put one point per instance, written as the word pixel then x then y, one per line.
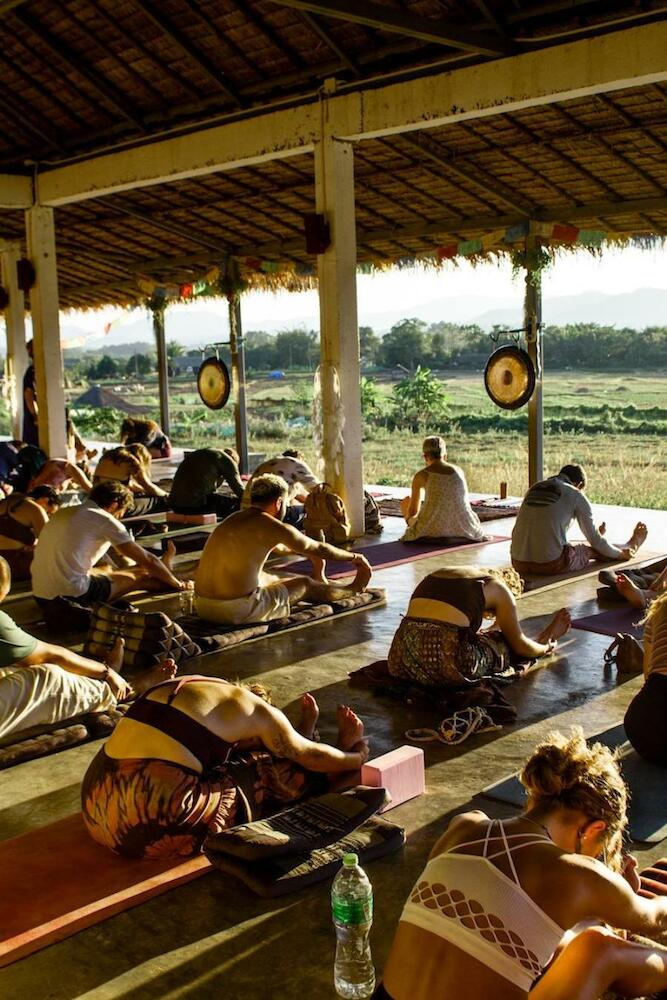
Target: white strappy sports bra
pixel 470 902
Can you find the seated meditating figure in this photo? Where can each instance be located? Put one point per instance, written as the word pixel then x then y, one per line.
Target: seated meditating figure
pixel 646 714
pixel 139 430
pixel 197 755
pixel 42 684
pixel 60 473
pixel 300 478
pixel 495 912
pixel 439 642
pixel 22 518
pixel 231 585
pixel 539 539
pixel 131 466
pixel 194 489
pixel 439 506
pixel 74 541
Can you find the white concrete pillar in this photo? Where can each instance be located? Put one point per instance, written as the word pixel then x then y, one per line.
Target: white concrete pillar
pixel 44 309
pixel 532 312
pixel 339 333
pixel 17 356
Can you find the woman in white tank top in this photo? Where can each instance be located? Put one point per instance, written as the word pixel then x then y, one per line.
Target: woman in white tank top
pixel 490 915
pixel 445 511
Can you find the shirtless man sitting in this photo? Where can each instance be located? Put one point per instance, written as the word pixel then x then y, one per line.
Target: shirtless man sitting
pixel 231 585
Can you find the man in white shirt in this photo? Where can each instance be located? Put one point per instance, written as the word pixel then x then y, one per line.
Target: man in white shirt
pixel 76 538
pixel 539 540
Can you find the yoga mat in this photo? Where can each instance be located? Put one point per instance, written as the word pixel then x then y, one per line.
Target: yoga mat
pixel 56 881
pixel 610 622
pixel 647 812
pixel 388 554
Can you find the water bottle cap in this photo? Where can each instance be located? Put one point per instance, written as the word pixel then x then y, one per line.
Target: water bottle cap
pixel 350 860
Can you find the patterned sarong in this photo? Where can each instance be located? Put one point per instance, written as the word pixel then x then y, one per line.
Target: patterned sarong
pixel 146 808
pixel 438 654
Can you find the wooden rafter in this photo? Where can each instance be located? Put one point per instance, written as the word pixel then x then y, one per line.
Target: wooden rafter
pixel 383 18
pixel 114 97
pixel 314 24
pixel 154 14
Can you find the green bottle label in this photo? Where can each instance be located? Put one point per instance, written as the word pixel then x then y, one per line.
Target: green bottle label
pixel 352 911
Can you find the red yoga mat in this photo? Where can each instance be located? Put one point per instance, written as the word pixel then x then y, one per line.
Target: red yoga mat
pixel 56 881
pixel 388 554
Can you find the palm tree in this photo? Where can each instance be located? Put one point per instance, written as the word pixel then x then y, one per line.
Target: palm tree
pixel 174 350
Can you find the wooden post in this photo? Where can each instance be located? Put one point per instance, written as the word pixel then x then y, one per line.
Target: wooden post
pixel 532 319
pixel 47 353
pixel 340 370
pixel 237 349
pixel 17 355
pixel 162 365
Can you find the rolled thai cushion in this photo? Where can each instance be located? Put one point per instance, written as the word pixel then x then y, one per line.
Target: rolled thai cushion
pixel 305 827
pixel 149 637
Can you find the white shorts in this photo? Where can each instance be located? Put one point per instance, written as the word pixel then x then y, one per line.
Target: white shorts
pixel 263 605
pixel 45 694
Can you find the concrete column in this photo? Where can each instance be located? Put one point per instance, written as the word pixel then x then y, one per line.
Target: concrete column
pixel 17 356
pixel 44 308
pixel 237 350
pixel 162 366
pixel 339 367
pixel 532 319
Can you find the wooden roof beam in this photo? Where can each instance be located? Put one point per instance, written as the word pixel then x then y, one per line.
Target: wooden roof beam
pixel 214 74
pixel 630 58
pixel 383 18
pixel 314 25
pixel 15 191
pixel 118 101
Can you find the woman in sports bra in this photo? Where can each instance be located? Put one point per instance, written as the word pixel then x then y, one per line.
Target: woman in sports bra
pixel 22 518
pixel 131 466
pixel 439 642
pixel 497 897
pixel 196 755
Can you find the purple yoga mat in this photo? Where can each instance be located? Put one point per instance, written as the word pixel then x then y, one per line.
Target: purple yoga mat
pixel 621 619
pixel 388 554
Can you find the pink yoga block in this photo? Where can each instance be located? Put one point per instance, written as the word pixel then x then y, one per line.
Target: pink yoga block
pixel 400 771
pixel 173 518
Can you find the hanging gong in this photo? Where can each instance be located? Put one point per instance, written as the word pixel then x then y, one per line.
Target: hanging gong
pixel 213 383
pixel 509 377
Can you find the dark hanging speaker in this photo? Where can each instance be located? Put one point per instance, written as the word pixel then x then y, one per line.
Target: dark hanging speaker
pixel 318 234
pixel 509 377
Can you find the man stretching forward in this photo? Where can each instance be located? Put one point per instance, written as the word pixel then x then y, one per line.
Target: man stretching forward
pixel 539 540
pixel 231 585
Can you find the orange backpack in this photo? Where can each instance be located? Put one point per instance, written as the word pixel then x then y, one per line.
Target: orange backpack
pixel 325 516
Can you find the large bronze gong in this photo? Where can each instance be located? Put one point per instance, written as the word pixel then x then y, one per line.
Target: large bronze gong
pixel 214 383
pixel 509 377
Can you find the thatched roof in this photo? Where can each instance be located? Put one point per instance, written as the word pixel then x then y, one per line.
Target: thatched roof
pixel 97 396
pixel 94 72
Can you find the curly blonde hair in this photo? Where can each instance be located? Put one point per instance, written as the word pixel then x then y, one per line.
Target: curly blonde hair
pixel 504 574
pixel 567 772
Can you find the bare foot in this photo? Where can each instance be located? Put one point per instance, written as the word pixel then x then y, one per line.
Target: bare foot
pixel 310 713
pixel 638 535
pixel 317 573
pixel 114 657
pixel 169 555
pixel 603 528
pixel 558 626
pixel 350 728
pixel 632 593
pixel 361 580
pixel 164 671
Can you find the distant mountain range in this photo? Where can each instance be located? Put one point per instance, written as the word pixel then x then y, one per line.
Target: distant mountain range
pixel 639 309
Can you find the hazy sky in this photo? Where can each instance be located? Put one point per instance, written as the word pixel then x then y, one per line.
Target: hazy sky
pixel 617 271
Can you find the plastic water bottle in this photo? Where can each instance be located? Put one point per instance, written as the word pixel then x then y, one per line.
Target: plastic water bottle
pixel 352 910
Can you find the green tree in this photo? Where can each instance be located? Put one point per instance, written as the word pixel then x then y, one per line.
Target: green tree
pixel 297 349
pixel 419 400
pixel 139 364
pixel 369 345
pixel 371 398
pixel 106 367
pixel 174 349
pixel 406 344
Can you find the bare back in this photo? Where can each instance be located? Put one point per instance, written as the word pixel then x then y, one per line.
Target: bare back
pixel 233 559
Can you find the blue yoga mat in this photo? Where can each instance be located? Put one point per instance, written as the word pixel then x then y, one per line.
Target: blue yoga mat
pixel 647 783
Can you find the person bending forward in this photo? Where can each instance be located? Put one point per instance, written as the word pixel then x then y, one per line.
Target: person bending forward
pixel 231 585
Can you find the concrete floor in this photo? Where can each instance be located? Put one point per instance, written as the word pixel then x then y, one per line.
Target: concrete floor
pixel 213 938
